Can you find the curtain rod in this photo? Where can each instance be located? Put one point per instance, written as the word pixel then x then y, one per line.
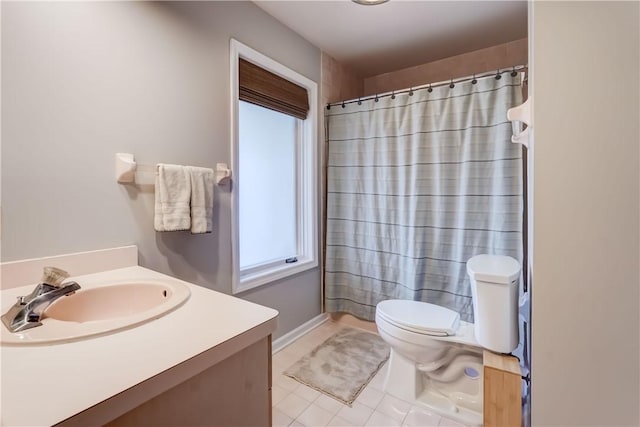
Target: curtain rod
pixel 451 83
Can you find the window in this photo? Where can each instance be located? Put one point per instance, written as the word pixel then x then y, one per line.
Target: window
pixel 274 195
pixel 266 148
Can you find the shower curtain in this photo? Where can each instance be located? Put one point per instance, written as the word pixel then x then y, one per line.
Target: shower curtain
pixel 416 185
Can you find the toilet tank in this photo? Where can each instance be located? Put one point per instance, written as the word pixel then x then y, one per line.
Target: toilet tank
pixel 494 287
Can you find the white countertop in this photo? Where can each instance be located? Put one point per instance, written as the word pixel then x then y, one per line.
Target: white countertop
pixel 47 384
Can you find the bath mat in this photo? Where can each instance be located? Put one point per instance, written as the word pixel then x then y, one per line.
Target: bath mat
pixel 343 365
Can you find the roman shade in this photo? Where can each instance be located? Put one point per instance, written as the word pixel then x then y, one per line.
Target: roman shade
pixel 261 87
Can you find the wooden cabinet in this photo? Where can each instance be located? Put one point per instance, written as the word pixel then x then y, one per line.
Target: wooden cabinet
pixel 502 391
pixel 234 392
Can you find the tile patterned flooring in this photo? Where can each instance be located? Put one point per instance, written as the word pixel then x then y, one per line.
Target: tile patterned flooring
pixel 295 404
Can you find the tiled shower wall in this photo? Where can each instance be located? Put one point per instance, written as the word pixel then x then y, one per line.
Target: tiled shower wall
pixel 501 56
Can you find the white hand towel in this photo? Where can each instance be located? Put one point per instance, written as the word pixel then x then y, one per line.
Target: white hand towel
pixel 202 180
pixel 173 193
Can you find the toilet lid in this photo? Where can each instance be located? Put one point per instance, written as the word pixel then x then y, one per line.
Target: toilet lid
pixel 420 317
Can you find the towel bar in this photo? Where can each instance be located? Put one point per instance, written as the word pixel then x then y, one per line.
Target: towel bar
pixel 128 171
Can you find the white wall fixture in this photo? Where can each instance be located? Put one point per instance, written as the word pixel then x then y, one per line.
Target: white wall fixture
pixel 521 114
pixel 125 167
pixel 223 173
pixel 128 171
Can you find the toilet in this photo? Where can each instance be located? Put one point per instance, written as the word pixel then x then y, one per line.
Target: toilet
pixel 436 358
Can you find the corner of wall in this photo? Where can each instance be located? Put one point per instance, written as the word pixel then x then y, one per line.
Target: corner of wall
pixel 339 81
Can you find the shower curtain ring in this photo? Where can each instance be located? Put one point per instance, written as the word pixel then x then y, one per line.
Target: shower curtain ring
pixel 514 72
pixel 393 95
pixel 474 81
pixel 498 75
pixel 342 104
pixel 359 101
pixel 410 91
pixel 328 106
pixel 430 89
pixel 452 85
pixel 376 98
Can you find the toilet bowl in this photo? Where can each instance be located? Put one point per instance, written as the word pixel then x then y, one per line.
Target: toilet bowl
pixel 436 358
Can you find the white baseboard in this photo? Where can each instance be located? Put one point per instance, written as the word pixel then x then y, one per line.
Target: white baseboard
pixel 280 343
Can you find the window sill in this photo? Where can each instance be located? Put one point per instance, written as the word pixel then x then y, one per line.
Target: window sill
pixel 256 279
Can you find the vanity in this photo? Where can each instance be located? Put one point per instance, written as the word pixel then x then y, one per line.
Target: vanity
pixel 206 361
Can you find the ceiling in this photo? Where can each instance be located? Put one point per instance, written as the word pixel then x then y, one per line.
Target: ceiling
pixel 400 33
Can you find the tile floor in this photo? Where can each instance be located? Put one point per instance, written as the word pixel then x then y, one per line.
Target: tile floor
pixel 295 404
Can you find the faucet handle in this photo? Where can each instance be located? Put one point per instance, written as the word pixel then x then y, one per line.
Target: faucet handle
pixel 54 276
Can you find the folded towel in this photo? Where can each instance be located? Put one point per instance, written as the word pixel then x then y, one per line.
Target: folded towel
pixel 173 194
pixel 201 199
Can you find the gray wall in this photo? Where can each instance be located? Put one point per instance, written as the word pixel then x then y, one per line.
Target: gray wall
pixel 586 213
pixel 82 81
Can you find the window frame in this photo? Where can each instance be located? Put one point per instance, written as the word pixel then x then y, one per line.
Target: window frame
pixel 306 178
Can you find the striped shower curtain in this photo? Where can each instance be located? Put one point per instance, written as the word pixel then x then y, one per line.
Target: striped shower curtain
pixel 416 186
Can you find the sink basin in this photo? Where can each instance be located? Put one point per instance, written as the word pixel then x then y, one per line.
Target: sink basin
pixel 102 309
pixel 109 302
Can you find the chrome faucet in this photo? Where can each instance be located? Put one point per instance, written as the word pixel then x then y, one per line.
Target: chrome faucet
pixel 27 312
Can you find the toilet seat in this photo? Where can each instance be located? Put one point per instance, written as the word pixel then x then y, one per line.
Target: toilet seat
pixel 419 317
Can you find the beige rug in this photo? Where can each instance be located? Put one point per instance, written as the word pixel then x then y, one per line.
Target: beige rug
pixel 343 365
